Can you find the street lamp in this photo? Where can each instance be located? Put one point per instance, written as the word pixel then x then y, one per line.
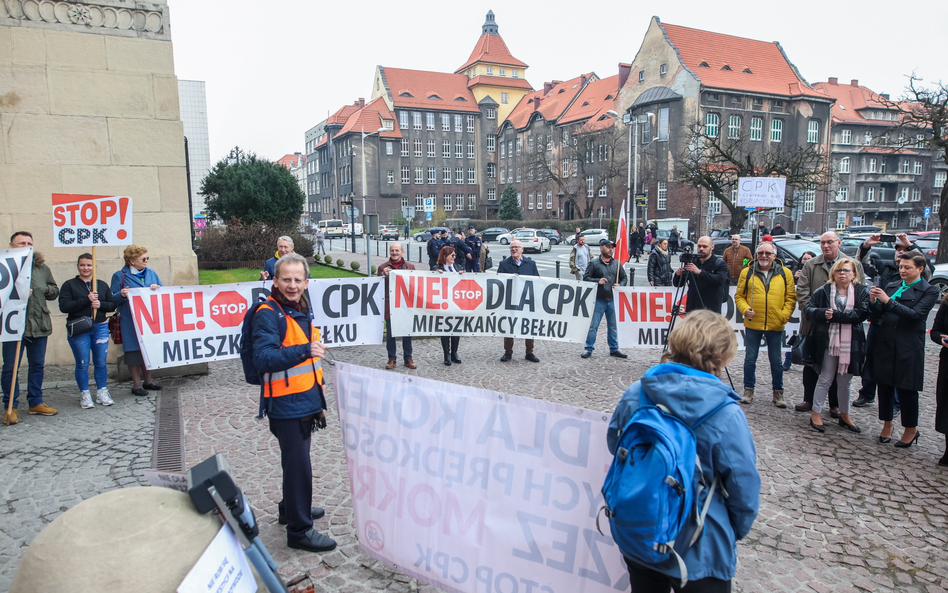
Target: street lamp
pixel 368 258
pixel 634 131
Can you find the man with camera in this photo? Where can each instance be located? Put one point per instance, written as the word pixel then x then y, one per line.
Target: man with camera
pixel 707 277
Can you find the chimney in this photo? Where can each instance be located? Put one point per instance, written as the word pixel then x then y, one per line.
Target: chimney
pixel 582 79
pixel 833 80
pixel 536 103
pixel 885 96
pixel 547 87
pixel 624 71
pixel 854 82
pixel 361 102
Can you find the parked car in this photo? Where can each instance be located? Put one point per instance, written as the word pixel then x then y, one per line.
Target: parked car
pixel 940 279
pixel 554 236
pixel 683 243
pixel 388 232
pixel 535 240
pixel 593 236
pixel 425 235
pixel 863 229
pixel 492 233
pixel 506 238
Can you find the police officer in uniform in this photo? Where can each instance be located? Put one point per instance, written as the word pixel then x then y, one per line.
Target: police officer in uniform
pixel 287 351
pixel 462 249
pixel 473 263
pixel 434 248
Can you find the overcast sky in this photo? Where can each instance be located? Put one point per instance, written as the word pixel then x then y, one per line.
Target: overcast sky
pixel 275 69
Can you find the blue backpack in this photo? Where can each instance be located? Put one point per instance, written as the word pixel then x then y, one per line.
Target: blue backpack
pixel 251 374
pixel 654 485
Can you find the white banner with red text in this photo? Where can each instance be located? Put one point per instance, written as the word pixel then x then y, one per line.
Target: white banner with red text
pixel 473 490
pixel 643 315
pixel 180 325
pixel 16 272
pixel 82 220
pixel 507 305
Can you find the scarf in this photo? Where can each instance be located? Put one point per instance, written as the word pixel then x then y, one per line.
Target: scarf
pixel 301 305
pixel 399 265
pixel 661 251
pixel 841 334
pixel 905 287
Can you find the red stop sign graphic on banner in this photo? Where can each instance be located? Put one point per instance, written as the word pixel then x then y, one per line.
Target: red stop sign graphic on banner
pixel 228 308
pixel 467 295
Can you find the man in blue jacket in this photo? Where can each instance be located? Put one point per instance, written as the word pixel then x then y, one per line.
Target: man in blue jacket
pixel 518 265
pixel 473 263
pixel 287 351
pixel 434 248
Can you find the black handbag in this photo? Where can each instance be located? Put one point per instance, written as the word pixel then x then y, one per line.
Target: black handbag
pixel 79 326
pixel 801 351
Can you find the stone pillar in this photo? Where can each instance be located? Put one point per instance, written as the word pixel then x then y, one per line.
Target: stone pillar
pixel 89 105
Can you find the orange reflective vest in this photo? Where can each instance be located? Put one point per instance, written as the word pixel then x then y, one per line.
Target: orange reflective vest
pixel 300 378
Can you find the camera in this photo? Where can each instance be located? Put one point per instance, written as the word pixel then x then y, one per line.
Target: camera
pixel 686 257
pixel 886 238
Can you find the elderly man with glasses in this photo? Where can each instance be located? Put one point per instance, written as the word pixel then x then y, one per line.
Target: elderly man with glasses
pixel 765 297
pixel 518 265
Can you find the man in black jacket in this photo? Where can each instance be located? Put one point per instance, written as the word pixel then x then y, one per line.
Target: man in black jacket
pixel 605 271
pixel 518 265
pixel 707 278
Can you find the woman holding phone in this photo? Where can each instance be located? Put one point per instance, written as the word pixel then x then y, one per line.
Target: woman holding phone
pixel 939 335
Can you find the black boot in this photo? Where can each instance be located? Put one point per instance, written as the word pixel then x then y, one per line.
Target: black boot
pixel 454 349
pixel 446 347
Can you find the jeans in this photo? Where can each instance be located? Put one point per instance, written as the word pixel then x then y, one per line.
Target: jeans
pixel 609 309
pixel 35 349
pixel 752 344
pixel 646 580
pixel 390 342
pixel 97 341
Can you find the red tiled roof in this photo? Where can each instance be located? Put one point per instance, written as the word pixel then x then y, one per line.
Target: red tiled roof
pixel 553 99
pixel 491 48
pixel 517 83
pixel 292 160
pixel 727 57
pixel 887 150
pixel 343 114
pixel 369 119
pixel 411 89
pixel 850 98
pixel 597 98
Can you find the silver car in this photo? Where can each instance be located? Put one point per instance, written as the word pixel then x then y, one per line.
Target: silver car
pixel 535 240
pixel 593 236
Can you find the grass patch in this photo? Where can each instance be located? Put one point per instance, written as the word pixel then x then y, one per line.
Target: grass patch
pixel 207 277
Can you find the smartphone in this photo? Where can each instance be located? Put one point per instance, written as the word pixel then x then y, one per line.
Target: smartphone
pixel 885 238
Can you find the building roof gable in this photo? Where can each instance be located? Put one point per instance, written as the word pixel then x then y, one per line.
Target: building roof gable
pixel 491 49
pixel 421 89
pixel 551 102
pixel 852 99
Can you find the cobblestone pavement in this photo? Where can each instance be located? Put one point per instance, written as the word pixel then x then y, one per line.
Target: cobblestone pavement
pixel 839 512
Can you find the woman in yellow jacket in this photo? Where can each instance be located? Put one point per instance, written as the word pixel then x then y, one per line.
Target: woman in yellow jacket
pixel 766 296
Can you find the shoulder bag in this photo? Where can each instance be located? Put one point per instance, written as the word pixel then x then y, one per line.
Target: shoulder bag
pixel 115 321
pixel 79 326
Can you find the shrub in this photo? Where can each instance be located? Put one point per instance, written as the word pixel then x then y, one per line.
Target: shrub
pixel 341 262
pixel 354 265
pixel 239 241
pixel 375 270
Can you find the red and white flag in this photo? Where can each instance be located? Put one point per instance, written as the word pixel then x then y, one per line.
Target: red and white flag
pixel 622 238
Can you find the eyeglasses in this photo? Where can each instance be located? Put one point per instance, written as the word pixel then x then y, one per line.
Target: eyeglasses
pixel 144 259
pixel 513 247
pixel 766 253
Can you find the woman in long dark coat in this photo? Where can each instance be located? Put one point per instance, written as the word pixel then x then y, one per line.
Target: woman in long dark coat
pixel 939 335
pixel 659 265
pixel 897 354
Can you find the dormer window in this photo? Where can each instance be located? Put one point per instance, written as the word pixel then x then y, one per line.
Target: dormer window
pixel 747 71
pixel 725 67
pixel 713 97
pixel 641 76
pixel 405 94
pixel 703 65
pixel 490 70
pixel 515 73
pixel 503 72
pixel 663 70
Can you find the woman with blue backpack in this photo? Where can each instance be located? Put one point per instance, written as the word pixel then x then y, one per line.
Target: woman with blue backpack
pixel 684 486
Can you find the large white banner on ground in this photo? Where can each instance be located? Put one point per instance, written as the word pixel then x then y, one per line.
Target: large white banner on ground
pixel 16 271
pixel 643 315
pixel 432 304
pixel 474 490
pixel 180 325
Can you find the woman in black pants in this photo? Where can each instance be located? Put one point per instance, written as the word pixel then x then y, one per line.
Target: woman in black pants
pixel 939 335
pixel 897 353
pixel 446 265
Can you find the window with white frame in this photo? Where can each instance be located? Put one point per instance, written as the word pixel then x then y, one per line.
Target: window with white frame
pixel 813 131
pixel 390 176
pixel 470 149
pixel 504 97
pixel 903 193
pixel 809 200
pixel 459 202
pixel 918 167
pixel 549 143
pixel 403 120
pixel 882 194
pixel 404 146
pixel 530 144
pixel 503 72
pixel 419 175
pixel 446 175
pixel 842 194
pixel 603 191
pixel 416 144
pixel 714 203
pixel 872 165
pixel 459 149
pixel 530 201
pixel 920 140
pixel 519 176
pixel 510 152
pixel 458 123
pixel 566 167
pixel 756 129
pixel 589 186
pixel 663 124
pixel 776 130
pixel 491 170
pixel 431 148
pixel 491 194
pixel 846 137
pixel 734 127
pixel 446 122
pixel 503 174
pixel 406 175
pixel 432 175
pixel 503 150
pixel 448 202
pixel 844 165
pixel 404 201
pixel 662 198
pixel 472 201
pixel 445 149
pixel 490 70
pixel 429 121
pixel 936 205
pixel 867 139
pixel 491 113
pixel 711 125
pixel 388 148
pixel 882 165
pixel 416 120
pixel 940 178
pixel 906 166
pixel 459 176
pixel 519 145
pixel 470 123
pixel 471 179
pixel 916 194
pixel 870 194
pixel 419 201
pixel 490 142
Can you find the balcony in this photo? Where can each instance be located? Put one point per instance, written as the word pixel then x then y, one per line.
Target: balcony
pixel 885 178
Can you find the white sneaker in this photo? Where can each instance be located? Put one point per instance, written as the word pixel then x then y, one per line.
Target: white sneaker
pixel 103 397
pixel 85 400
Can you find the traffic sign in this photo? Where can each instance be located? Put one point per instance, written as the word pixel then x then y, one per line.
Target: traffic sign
pixel 428 215
pixel 927 213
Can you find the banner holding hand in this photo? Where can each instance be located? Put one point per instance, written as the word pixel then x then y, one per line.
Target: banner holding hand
pixel 84 220
pixel 16 267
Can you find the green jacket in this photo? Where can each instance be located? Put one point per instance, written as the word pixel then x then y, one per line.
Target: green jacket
pixel 38 322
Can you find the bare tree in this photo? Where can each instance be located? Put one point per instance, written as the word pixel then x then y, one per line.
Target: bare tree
pixel 926 108
pixel 716 162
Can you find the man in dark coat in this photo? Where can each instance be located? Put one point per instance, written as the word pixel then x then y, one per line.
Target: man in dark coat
pixel 434 248
pixel 707 278
pixel 518 265
pixel 778 230
pixel 396 261
pixel 473 263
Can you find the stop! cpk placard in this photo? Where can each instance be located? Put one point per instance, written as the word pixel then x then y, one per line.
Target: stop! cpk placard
pixel 81 220
pixel 511 306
